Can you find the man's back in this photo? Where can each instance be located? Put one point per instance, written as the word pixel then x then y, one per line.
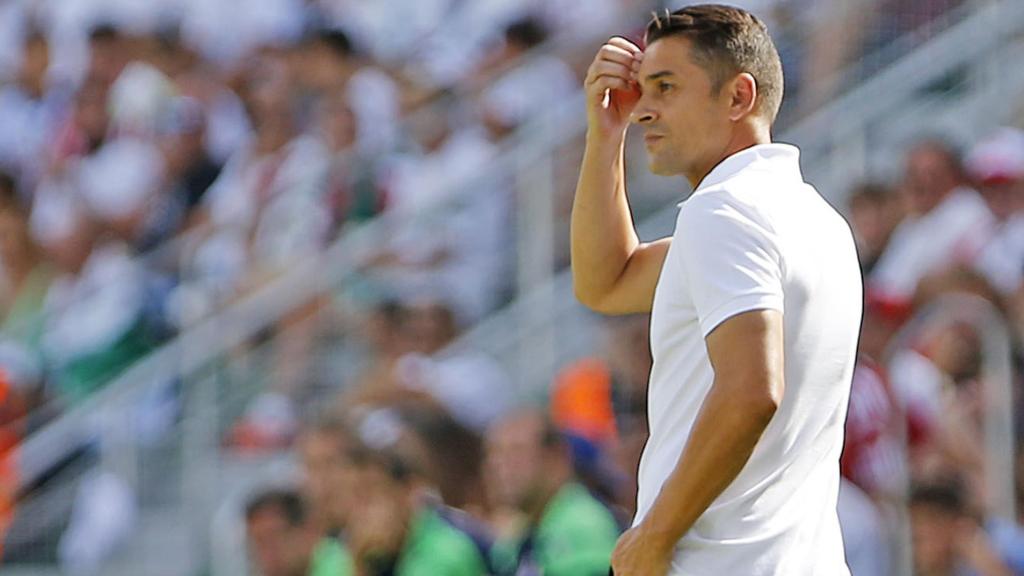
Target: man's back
pixel 755 236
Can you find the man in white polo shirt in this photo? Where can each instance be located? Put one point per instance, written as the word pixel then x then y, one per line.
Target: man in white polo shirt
pixel 755 301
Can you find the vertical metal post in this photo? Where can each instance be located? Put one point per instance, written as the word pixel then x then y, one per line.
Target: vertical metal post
pixel 535 232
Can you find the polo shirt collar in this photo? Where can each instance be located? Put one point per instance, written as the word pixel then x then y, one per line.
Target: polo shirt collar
pixel 783 157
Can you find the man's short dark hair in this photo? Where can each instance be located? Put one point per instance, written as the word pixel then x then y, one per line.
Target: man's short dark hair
pixel 727 41
pixel 284 501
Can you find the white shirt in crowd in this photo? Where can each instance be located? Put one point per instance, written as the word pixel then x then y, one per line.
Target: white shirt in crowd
pixel 923 245
pixel 755 236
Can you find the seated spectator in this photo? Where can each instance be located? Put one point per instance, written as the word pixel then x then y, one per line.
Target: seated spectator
pixel 996 165
pixel 330 490
pixel 604 400
pixel 943 214
pixel 280 536
pixel 26 274
pixel 94 320
pixel 529 86
pixel 31 109
pixel 555 527
pixel 266 208
pixel 394 528
pixel 947 539
pixel 873 459
pixel 935 379
pixel 189 170
pixel 469 384
pixel 450 236
pixel 874 214
pixel 354 191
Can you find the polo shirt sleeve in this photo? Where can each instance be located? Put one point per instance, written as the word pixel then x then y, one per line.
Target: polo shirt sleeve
pixel 730 258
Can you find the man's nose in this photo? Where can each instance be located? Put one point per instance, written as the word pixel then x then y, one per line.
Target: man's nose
pixel 643 115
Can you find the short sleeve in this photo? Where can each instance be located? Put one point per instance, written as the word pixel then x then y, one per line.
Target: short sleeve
pixel 730 258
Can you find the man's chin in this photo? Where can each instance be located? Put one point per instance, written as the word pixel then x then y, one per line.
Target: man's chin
pixel 660 168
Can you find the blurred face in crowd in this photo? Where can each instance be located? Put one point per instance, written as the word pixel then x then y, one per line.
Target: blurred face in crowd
pixel 269 97
pixel 931 174
pixel 518 463
pixel 91 112
pixel 935 532
pixel 429 327
pixel 34 63
pixel 108 54
pixel 384 510
pixel 330 478
pixel 277 547
pixel 16 246
pixel 1004 196
pixel 874 214
pixel 955 349
pixel 337 122
pixel 686 120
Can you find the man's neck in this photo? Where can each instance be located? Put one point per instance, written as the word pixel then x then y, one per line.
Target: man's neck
pixel 741 140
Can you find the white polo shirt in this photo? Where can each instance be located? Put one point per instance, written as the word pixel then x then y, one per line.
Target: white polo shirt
pixel 754 236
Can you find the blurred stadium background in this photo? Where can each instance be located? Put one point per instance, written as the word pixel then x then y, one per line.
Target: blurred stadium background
pixel 220 219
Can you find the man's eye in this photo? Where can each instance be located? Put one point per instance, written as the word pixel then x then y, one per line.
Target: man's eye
pixel 664 87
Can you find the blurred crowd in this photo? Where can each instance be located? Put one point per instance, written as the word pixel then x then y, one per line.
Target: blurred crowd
pixel 155 169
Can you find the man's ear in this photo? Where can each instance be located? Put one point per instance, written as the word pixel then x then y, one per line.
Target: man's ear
pixel 743 96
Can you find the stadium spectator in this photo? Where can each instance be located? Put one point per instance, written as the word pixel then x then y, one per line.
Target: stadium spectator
pixel 31 109
pixel 936 378
pixel 355 192
pixel 190 170
pixel 874 214
pixel 996 165
pixel 454 244
pixel 524 91
pixel 942 213
pixel 873 458
pixel 330 488
pixel 546 522
pixel 395 528
pixel 109 53
pixel 604 400
pixel 26 273
pixel 280 535
pixel 947 538
pixel 94 313
pixel 469 384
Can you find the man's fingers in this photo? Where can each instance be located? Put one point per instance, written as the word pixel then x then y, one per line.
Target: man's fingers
pixel 616 54
pixel 605 68
pixel 606 82
pixel 625 44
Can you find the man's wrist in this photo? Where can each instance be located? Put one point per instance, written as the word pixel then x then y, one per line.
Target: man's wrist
pixel 659 537
pixel 612 140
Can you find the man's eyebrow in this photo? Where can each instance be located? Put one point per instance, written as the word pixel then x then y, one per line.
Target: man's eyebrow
pixel 659 74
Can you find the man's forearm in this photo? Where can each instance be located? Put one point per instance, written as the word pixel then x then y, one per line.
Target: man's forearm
pixel 603 237
pixel 723 438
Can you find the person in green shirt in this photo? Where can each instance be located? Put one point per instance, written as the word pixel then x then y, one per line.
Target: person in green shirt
pixel 551 525
pixel 280 537
pixel 398 528
pixel 330 488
